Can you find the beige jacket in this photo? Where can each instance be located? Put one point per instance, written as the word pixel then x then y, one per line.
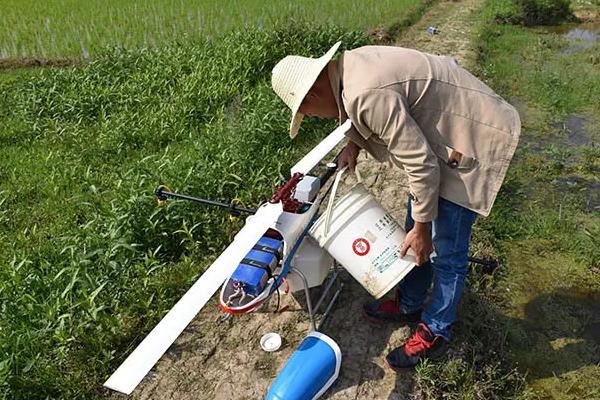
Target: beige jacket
pixel 450 132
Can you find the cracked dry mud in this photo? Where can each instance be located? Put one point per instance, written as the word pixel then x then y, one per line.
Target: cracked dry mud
pixel 222 359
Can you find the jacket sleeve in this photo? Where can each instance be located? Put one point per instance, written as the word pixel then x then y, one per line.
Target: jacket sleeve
pixel 385 113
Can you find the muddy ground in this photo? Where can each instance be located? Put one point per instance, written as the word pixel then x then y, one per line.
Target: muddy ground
pixel 222 359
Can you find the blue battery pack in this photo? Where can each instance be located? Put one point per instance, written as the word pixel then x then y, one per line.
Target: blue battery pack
pixel 252 271
pixel 252 278
pixel 273 244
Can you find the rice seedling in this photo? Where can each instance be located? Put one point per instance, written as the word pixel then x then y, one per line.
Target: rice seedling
pixel 78 29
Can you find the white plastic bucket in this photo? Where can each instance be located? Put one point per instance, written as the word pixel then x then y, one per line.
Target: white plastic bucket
pixel 364 238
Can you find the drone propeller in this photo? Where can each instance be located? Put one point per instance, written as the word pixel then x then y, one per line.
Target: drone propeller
pixel 322 149
pixel 149 351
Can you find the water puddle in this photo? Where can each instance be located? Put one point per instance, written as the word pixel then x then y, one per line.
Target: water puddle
pixel 580 37
pixel 572 133
pixel 574 128
pixel 566 144
pixel 582 34
pixel 555 336
pixel 589 190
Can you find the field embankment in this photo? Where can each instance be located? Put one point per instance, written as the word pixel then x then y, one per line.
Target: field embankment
pixel 546 223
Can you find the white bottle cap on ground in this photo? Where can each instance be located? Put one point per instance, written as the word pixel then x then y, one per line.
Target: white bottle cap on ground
pixel 270 342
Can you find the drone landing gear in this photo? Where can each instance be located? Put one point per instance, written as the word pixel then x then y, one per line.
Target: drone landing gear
pixel 312 311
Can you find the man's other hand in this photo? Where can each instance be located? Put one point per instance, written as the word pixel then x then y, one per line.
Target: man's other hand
pixel 419 240
pixel 348 156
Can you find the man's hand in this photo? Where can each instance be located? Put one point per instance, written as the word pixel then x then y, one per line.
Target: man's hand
pixel 419 240
pixel 348 156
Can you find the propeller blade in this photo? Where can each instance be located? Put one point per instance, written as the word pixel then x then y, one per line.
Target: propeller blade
pixel 142 359
pixel 322 149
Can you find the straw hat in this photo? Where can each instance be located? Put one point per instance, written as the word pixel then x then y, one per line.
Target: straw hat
pixel 292 79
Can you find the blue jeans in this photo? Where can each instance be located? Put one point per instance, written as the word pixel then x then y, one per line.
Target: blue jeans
pixel 450 233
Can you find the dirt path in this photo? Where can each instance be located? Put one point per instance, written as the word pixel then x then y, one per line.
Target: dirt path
pixel 216 359
pixel 454 25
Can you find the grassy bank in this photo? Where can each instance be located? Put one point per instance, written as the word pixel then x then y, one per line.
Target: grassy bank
pixel 90 262
pixel 59 28
pixel 531 330
pixel 546 222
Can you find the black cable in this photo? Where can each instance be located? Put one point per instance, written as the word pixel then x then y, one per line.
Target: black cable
pixel 278 294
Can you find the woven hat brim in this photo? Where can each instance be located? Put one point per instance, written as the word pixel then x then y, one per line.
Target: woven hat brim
pixel 314 74
pixel 297 118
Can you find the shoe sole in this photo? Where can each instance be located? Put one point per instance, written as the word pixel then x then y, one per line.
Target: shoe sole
pixel 397 369
pixel 381 321
pixel 374 320
pixel 433 356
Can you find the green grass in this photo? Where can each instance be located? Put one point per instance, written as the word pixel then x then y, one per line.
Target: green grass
pixel 530 330
pixel 79 28
pixel 544 302
pixel 527 64
pixel 90 262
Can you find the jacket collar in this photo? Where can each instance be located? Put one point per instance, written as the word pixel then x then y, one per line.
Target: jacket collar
pixel 335 71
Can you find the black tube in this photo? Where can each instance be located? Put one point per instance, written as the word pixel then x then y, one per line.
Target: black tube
pixel 489 265
pixel 163 194
pixel 330 169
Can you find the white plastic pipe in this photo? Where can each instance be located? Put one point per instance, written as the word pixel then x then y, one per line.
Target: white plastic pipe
pixel 142 359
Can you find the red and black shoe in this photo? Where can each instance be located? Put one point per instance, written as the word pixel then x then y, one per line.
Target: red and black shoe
pixel 421 345
pixel 389 310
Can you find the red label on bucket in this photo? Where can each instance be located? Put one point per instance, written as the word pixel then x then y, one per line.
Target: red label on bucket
pixel 361 247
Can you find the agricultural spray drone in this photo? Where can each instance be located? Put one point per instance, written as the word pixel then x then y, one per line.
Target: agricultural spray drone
pixel 272 246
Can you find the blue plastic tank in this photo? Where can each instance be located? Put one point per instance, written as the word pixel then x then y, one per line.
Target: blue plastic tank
pixel 310 371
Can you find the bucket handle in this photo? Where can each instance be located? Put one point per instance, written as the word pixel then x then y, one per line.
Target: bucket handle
pixel 331 201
